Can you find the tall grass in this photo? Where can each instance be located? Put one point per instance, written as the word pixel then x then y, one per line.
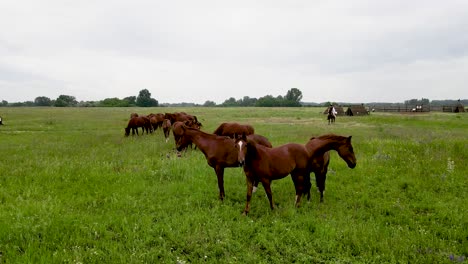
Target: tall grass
pixel 73 189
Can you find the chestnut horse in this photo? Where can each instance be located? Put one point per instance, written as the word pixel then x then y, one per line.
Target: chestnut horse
pixel 220 151
pixel 135 123
pixel 178 132
pixel 156 120
pixel 182 117
pixel 267 164
pixel 319 148
pixel 233 129
pixel 166 126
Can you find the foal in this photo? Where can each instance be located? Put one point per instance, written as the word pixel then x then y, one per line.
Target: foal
pixel 318 148
pixel 264 165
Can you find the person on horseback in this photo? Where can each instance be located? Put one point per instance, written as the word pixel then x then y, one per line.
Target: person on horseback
pixel 332 110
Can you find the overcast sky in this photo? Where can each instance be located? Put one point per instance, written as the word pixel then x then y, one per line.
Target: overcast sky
pixel 194 51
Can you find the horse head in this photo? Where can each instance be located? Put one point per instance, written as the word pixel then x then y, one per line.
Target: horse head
pixel 183 141
pixel 346 152
pixel 241 146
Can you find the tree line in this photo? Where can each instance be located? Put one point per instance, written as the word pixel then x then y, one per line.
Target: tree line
pixel 292 98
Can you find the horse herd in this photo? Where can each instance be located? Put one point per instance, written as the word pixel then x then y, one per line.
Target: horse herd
pixel 233 145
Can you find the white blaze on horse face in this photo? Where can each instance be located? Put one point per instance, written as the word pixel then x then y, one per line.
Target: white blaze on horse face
pixel 241 145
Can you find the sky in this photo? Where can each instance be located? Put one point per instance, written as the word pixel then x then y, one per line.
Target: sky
pixel 209 50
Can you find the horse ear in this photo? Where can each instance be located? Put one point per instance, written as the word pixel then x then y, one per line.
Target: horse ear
pixel 244 137
pixel 349 139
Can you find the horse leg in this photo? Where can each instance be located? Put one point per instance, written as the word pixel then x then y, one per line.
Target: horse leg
pixel 250 184
pixel 320 180
pixel 220 174
pixel 255 186
pixel 307 186
pixel 299 185
pixel 266 185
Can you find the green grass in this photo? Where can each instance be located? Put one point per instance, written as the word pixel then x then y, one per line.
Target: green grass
pixel 73 189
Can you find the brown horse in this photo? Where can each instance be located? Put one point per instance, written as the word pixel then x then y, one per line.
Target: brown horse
pixel 267 164
pixel 233 129
pixel 166 126
pixel 318 148
pixel 178 132
pixel 156 120
pixel 135 123
pixel 220 151
pixel 182 117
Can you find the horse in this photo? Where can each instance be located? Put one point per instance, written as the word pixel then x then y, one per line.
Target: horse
pixel 267 164
pixel 182 117
pixel 156 120
pixel 178 132
pixel 331 115
pixel 135 123
pixel 232 129
pixel 318 148
pixel 166 126
pixel 220 151
pixel 1 121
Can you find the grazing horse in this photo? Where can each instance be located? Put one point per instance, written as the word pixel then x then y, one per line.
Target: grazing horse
pixel 135 123
pixel 318 148
pixel 220 151
pixel 267 164
pixel 166 126
pixel 233 129
pixel 156 120
pixel 182 117
pixel 178 132
pixel 1 121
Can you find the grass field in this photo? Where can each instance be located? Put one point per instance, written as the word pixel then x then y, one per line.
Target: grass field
pixel 73 189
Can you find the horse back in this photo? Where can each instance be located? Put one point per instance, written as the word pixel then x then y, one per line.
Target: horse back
pixel 282 160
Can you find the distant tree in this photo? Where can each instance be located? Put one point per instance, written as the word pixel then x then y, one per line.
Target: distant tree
pixel 293 97
pixel 144 99
pixel 209 103
pixel 42 101
pixel 89 103
pixel 230 102
pixel 267 101
pixel 4 103
pixel 425 101
pixel 131 100
pixel 65 100
pixel 114 102
pixel 247 101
